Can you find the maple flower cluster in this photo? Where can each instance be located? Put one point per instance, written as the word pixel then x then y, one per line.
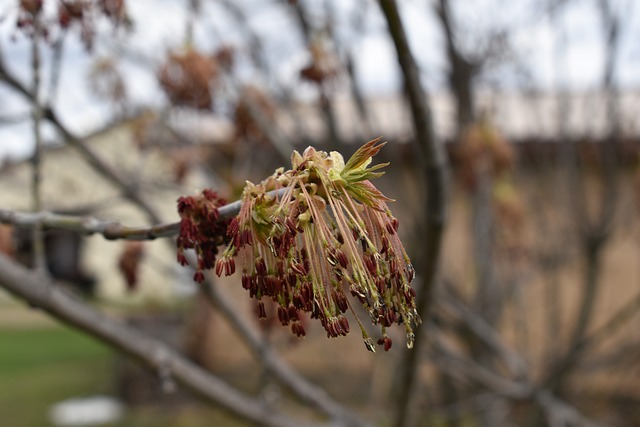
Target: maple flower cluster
pixel 322 243
pixel 201 229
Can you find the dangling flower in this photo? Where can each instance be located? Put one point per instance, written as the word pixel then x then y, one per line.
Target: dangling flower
pixel 325 241
pixel 202 230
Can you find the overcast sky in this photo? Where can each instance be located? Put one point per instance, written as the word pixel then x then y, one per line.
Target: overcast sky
pixel 567 52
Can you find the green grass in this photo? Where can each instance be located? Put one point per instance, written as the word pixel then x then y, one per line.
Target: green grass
pixel 39 367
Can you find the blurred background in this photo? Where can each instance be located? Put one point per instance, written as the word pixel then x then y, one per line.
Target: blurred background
pixel 534 102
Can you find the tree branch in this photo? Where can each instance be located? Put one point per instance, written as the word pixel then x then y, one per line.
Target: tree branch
pixel 92 158
pixel 432 158
pixel 615 322
pixel 38 245
pixel 484 331
pixel 153 353
pixel 111 230
pixel 463 368
pixel 595 234
pixel 276 365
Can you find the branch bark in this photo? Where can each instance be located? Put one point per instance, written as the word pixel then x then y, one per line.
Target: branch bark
pixel 111 230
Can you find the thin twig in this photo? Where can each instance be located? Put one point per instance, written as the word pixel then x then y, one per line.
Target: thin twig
pixel 465 369
pixel 325 99
pixel 87 225
pixel 78 143
pixel 56 67
pixel 276 365
pixel 484 331
pixel 111 230
pixel 102 167
pixel 619 319
pixel 595 234
pixel 38 244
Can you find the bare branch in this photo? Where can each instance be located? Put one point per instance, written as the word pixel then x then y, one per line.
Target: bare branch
pixel 111 230
pixel 39 254
pixel 484 331
pixel 101 166
pixel 280 142
pixel 561 413
pixel 153 353
pixel 92 158
pixel 276 365
pixel 56 67
pixel 432 158
pixel 619 319
pixel 595 233
pixel 463 368
pixel 462 70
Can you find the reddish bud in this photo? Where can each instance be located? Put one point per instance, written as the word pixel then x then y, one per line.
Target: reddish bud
pixel 387 343
pixel 219 267
pixel 344 324
pixel 261 267
pixel 297 330
pixel 182 260
pixel 293 313
pixel 262 312
pixel 198 276
pixel 283 316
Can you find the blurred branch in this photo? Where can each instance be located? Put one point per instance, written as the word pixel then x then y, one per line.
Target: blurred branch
pixel 305 27
pixel 557 411
pixel 326 101
pixel 433 160
pixel 56 67
pixel 281 143
pixel 260 58
pixel 102 167
pixel 484 331
pixel 356 91
pixel 618 320
pixel 276 365
pixel 623 358
pixel 595 233
pixel 488 296
pixel 466 368
pixel 92 158
pixel 192 14
pixel 357 25
pixel 461 70
pixel 154 354
pixel 255 43
pixel 39 254
pixel 111 230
